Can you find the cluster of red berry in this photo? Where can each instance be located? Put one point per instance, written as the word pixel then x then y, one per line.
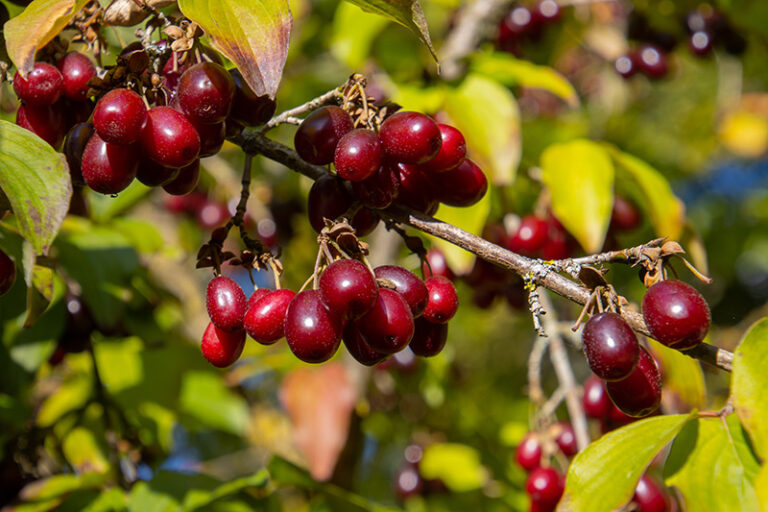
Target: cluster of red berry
pixel 545 484
pixel 376 314
pixel 523 23
pixel 409 480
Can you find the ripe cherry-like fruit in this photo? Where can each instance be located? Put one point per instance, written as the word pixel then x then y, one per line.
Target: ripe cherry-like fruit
pixel 416 191
pixel 205 93
pixel 119 116
pixel 443 301
pixel 312 331
pixel 428 338
pixel 225 302
pixel 153 174
pixel 625 216
pixel 649 497
pixel 169 138
pixel 610 345
pixel 566 439
pixel 7 273
pixel 438 266
pixel 408 482
pixel 316 139
pixel 74 146
pixel 76 69
pixel 358 155
pixel 42 87
pixel 255 296
pixel 380 190
pixel 348 288
pixel 530 236
pixel 248 108
pixel 652 62
pixel 388 327
pixel 410 137
pixel 700 43
pixel 364 222
pixel 528 452
pixel 407 284
pixel 48 123
pixel 627 65
pixel 264 320
pixel 359 349
pixel 222 348
pixel 463 186
pixel 185 181
pixel 212 137
pixel 109 168
pixel 545 487
pixel 328 199
pixel 597 404
pixel 639 394
pixel 676 314
pixel 453 150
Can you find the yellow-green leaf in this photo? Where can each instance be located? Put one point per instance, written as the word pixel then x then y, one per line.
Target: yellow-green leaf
pixel 353 32
pixel 488 116
pixel 749 382
pixel 682 375
pixel 471 219
pixel 457 465
pixel 84 452
pixel 253 34
pixel 579 175
pixel 761 487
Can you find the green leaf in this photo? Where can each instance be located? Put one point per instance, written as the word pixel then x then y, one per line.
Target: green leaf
pixel 205 398
pixel 761 487
pixel 36 180
pixel 253 34
pixel 487 115
pixel 682 375
pixel 58 485
pixel 124 355
pixel 471 219
pixel 71 395
pixel 105 207
pixel 457 465
pixel 84 452
pixel 665 211
pixel 353 33
pixel 196 499
pixel 509 71
pixel 407 13
pixel 167 490
pixel 579 175
pixel 749 382
pixel 709 468
pixel 603 476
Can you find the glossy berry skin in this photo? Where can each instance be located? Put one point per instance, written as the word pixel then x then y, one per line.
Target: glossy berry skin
pixel 169 138
pixel 652 63
pixel 185 181
pixel 76 69
pixel 48 123
pixel 264 320
pixel 530 236
pixel 408 285
pixel 545 487
pixel 676 314
pixel 225 302
pixel 639 394
pixel 566 439
pixel 42 87
pixel 388 327
pixel 610 345
pixel 453 150
pixel 205 93
pixel 438 265
pixel 119 116
pixel 222 348
pixel 74 146
pixel 359 349
pixel 358 155
pixel 463 186
pixel 528 452
pixel 328 198
pixel 247 108
pixel 627 65
pixel 255 296
pixel 410 137
pixel 649 497
pixel 7 273
pixel 700 43
pixel 348 288
pixel 319 134
pixel 312 331
pixel 380 190
pixel 428 338
pixel 152 174
pixel 364 222
pixel 443 301
pixel 625 216
pixel 109 168
pixel 595 400
pixel 546 11
pixel 416 191
pixel 212 137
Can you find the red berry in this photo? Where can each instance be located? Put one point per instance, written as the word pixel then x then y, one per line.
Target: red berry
pixel 380 190
pixel 388 327
pixel 545 487
pixel 120 116
pixel 264 320
pixel 408 483
pixel 255 296
pixel 225 302
pixel 428 338
pixel 247 108
pixel 700 43
pixel 566 439
pixel 595 400
pixel 316 139
pixel 359 349
pixel 546 11
pixel 530 236
pixel 348 288
pixel 407 284
pixel 438 266
pixel 205 93
pixel 169 138
pixel 627 65
pixel 184 182
pixel 328 199
pixel 312 331
pixel 358 155
pixel 416 191
pixel 610 345
pixel 153 174
pixel 649 497
pixel 625 216
pixel 109 168
pixel 48 123
pixel 212 137
pixel 639 394
pixel 652 62
pixel 410 137
pixel 42 87
pixel 676 314
pixel 557 246
pixel 453 150
pixel 211 215
pixel 7 273
pixel 463 186
pixel 222 348
pixel 74 146
pixel 443 301
pixel 76 69
pixel 528 452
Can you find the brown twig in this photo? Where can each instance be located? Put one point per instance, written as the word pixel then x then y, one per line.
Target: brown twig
pixel 290 116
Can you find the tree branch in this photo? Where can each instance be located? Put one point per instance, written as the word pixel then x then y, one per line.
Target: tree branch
pixel 289 116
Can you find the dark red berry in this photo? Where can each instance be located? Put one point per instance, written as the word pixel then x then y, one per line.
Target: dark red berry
pixel 528 452
pixel 169 138
pixel 348 288
pixel 255 296
pixel 247 108
pixel 364 222
pixel 388 327
pixel 443 301
pixel 453 150
pixel 212 137
pixel 428 338
pixel 316 139
pixel 359 349
pixel 545 487
pixel 463 186
pixel 652 62
pixel 312 331
pixel 328 199
pixel 649 497
pixel 153 174
pixel 120 116
pixel 517 24
pixel 205 93
pixel 566 439
pixel 74 146
pixel 610 345
pixel 408 483
pixel 676 314
pixel 595 400
pixel 212 215
pixel 264 320
pixel 42 87
pixel 225 302
pixel 380 190
pixel 530 236
pixel 410 137
pixel 7 273
pixel 700 43
pixel 109 168
pixel 222 348
pixel 546 11
pixel 407 284
pixel 416 191
pixel 627 65
pixel 438 265
pixel 625 216
pixel 358 155
pixel 184 182
pixel 48 123
pixel 639 394
pixel 76 69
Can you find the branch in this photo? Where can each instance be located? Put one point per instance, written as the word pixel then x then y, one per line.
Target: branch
pixel 289 116
pixel 474 23
pixel 536 271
